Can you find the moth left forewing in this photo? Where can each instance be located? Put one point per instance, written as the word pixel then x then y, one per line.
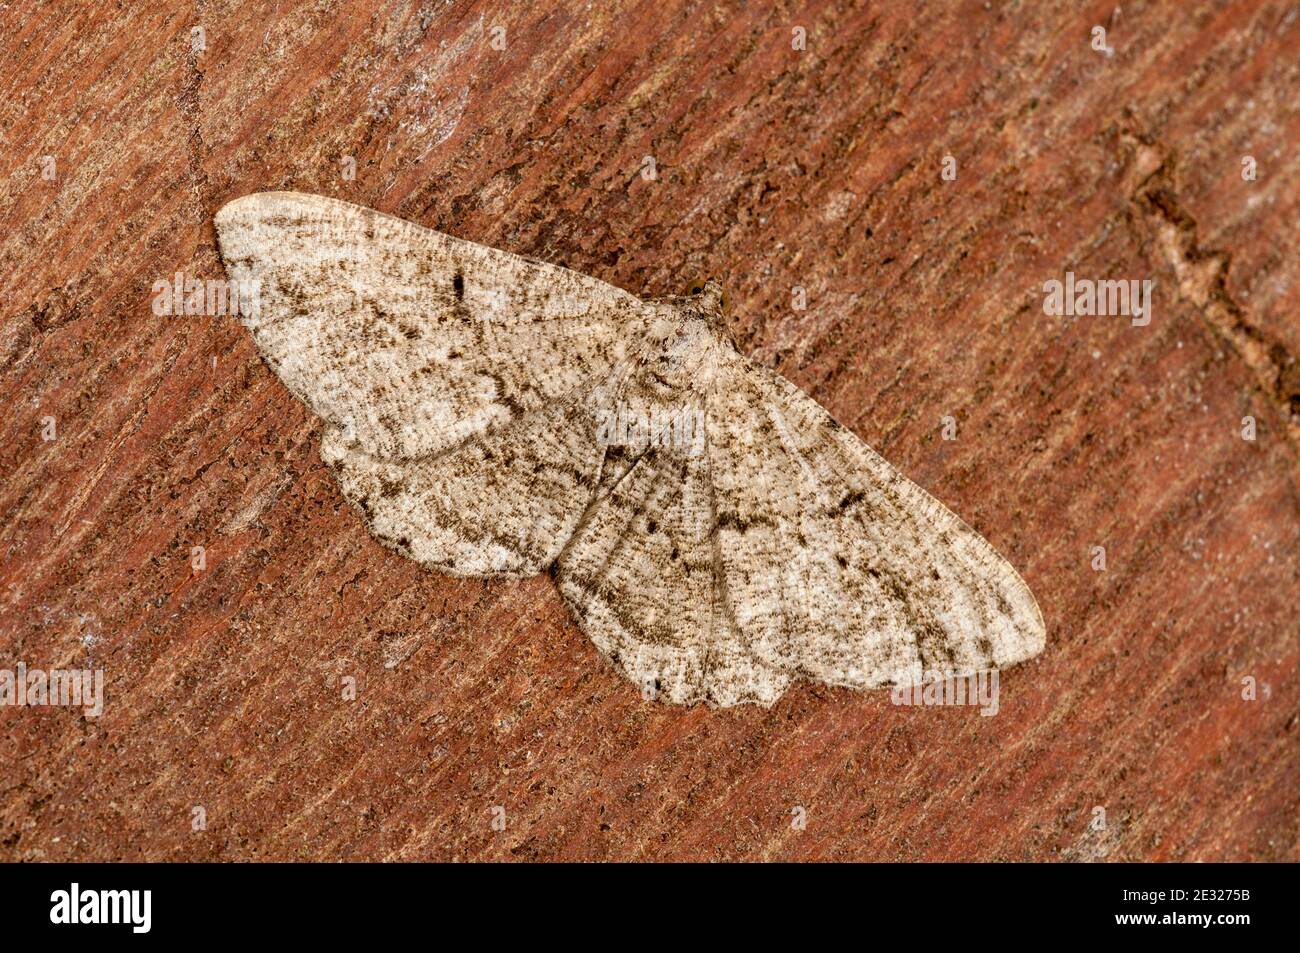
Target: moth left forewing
pixel 409 339
pixel 877 582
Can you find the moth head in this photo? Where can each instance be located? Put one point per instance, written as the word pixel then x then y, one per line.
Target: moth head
pixel 707 296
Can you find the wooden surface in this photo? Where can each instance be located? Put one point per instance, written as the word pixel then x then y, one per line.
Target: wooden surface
pixel 776 168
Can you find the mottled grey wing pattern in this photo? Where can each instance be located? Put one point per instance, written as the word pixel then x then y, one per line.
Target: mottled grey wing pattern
pixel 456 381
pixel 461 389
pixel 408 339
pixel 501 503
pixel 644 575
pixel 862 578
pixel 788 550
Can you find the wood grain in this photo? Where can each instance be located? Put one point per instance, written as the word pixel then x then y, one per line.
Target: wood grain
pixel 776 168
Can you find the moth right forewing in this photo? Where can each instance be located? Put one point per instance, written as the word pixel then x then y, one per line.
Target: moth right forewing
pixel 913 588
pixel 776 554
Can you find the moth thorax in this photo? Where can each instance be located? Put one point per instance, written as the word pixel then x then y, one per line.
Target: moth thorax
pixel 685 358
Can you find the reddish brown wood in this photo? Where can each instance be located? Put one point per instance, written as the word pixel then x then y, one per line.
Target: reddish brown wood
pixel 776 168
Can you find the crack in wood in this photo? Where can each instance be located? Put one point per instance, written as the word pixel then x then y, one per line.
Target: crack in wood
pixel 1202 276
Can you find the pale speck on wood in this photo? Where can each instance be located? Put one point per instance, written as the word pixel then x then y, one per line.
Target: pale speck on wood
pixel 461 389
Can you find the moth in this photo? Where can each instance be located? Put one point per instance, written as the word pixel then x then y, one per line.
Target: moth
pixel 713 530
